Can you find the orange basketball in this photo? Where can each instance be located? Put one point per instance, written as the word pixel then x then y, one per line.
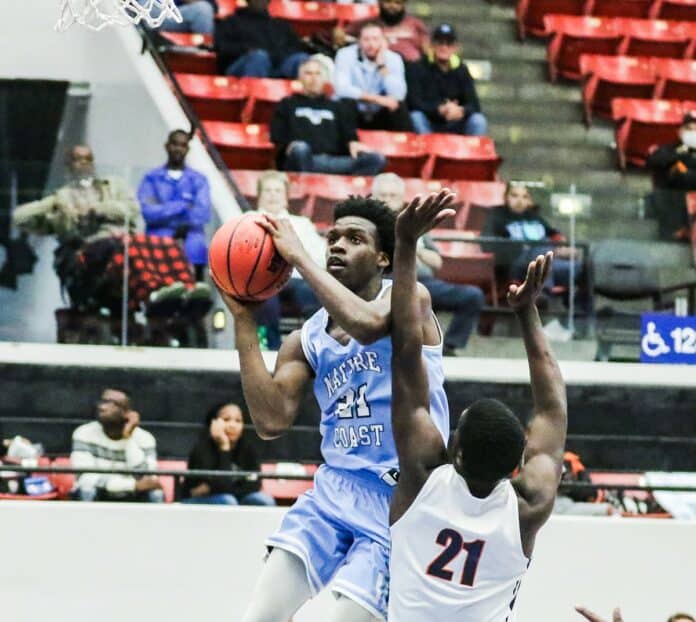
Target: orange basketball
pixel 244 261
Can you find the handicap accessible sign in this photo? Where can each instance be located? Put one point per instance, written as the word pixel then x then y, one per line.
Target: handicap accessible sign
pixel 668 339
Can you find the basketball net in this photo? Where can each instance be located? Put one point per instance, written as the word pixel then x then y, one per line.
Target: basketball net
pixel 95 14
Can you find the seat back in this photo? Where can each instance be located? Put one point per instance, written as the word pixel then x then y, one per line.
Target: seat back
pixel 63 483
pixel 170 485
pixel 620 8
pixel 405 151
pixel 214 98
pixel 244 146
pixel 462 157
pixel 530 13
pixel 264 95
pixel 646 37
pixel 684 10
pixel 306 18
pixel 676 78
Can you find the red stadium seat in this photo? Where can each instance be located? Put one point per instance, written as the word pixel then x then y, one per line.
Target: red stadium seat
pixel 575 36
pixel 241 145
pixel 684 10
pixel 643 124
pixel 264 95
pixel 169 481
pixel 530 14
pixel 187 57
pixel 461 157
pixel 327 190
pixel 214 98
pixel 464 263
pixel 307 18
pixel 478 198
pixel 416 186
pixel 286 491
pixel 652 37
pixel 676 78
pixel 347 13
pixel 226 8
pixel 620 8
pixel 405 151
pixel 607 77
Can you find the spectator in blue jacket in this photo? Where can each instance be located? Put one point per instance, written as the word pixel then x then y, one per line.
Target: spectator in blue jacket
pixel 175 201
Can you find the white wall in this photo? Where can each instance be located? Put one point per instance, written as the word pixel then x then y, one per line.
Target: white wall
pixel 69 561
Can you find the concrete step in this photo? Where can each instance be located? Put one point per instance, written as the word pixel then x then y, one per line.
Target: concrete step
pixel 586 181
pixel 580 158
pixel 515 71
pixel 531 111
pixel 550 93
pixel 464 12
pixel 539 133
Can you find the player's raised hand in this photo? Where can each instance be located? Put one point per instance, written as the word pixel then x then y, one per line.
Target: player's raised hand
pixel 593 617
pixel 286 241
pixel 523 295
pixel 423 214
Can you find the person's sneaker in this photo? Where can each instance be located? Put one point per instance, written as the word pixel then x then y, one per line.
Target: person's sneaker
pixel 200 291
pixel 555 331
pixel 174 291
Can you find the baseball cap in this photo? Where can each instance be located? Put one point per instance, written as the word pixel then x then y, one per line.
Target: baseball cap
pixel 445 33
pixel 689 117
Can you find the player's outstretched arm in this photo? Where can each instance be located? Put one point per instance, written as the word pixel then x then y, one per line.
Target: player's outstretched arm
pixel 273 400
pixel 365 321
pixel 419 444
pixel 546 434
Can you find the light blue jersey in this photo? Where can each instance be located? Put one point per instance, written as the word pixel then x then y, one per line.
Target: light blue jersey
pixel 353 388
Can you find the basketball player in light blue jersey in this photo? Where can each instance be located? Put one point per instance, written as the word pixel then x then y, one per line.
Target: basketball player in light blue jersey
pixel 339 531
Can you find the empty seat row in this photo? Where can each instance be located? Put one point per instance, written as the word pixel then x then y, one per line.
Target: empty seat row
pixel 574 36
pixel 531 13
pixel 642 124
pixel 221 98
pixel 608 77
pixel 448 156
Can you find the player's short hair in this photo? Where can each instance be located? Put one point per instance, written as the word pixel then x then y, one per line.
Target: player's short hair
pixel 491 440
pixel 378 213
pixel 273 176
pixel 679 616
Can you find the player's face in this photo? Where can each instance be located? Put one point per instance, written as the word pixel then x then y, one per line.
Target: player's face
pixel 518 199
pixel 234 423
pixel 177 148
pixel 371 42
pixel 273 197
pixel 312 79
pixel 352 254
pixel 112 407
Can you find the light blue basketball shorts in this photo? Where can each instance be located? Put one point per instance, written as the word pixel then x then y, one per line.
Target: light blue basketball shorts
pixel 340 530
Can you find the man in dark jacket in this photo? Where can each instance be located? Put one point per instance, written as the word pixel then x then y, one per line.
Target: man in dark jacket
pixel 674 165
pixel 441 92
pixel 316 134
pixel 251 43
pixel 674 173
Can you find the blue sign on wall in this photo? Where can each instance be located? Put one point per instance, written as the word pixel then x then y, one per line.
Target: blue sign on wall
pixel 668 339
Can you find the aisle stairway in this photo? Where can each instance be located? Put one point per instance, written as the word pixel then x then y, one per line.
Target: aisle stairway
pixel 538 126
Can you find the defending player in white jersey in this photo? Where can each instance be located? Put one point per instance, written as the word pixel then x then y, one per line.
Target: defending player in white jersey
pixel 462 531
pixel 339 531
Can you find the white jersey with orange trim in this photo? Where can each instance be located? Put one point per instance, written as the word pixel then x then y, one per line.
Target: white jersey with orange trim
pixel 455 556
